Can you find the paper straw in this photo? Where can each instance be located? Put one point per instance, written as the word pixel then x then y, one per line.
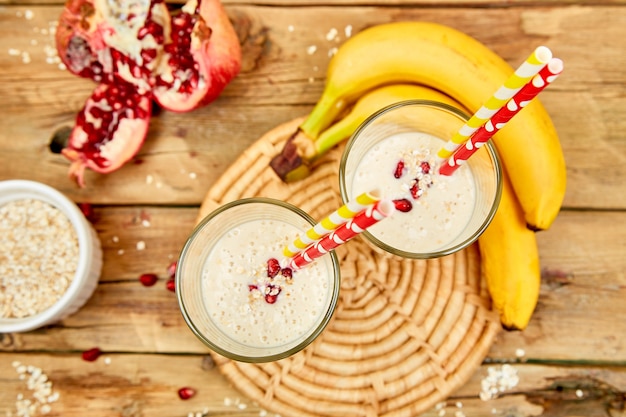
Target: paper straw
pixel 359 223
pixel 330 223
pixel 540 81
pixel 516 81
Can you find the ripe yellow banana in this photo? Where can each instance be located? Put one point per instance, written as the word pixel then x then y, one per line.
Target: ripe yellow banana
pixel 510 262
pixel 458 65
pixel 369 104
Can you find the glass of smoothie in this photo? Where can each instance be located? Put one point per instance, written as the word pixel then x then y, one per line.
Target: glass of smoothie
pixel 395 150
pixel 236 291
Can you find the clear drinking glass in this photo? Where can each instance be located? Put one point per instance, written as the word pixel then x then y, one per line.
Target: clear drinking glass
pixel 395 151
pixel 226 296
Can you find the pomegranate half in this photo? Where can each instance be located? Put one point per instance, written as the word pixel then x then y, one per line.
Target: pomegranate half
pixel 138 52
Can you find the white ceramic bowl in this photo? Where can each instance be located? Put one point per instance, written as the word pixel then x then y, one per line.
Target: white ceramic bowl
pixel 89 262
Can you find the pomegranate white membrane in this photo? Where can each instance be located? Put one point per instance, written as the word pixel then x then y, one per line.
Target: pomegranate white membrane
pixel 238 293
pixel 396 151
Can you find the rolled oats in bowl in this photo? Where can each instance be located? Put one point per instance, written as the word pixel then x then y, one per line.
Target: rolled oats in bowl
pixel 50 256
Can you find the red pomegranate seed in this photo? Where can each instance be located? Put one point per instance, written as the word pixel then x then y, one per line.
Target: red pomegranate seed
pixel 186 393
pixel 286 272
pixel 425 166
pixel 415 190
pixel 399 169
pixel 171 269
pixel 87 210
pixel 272 295
pixel 403 205
pixel 91 354
pixel 171 285
pixel 252 287
pixel 273 267
pixel 148 280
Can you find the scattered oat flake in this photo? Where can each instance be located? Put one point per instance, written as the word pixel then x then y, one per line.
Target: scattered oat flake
pixel 332 34
pixel 311 49
pixel 14 52
pixel 149 179
pixel 290 28
pixel 348 31
pixel 141 245
pixel 107 361
pixel 41 387
pixel 28 14
pixel 120 251
pixel 579 393
pixel 498 379
pixel 115 239
pixel 332 52
pixel 520 353
pixel 193 175
pixel 145 223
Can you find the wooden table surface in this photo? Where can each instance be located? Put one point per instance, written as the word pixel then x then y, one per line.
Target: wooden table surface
pixel 571 360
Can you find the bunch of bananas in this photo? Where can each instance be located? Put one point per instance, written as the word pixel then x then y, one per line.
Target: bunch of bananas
pixel 392 62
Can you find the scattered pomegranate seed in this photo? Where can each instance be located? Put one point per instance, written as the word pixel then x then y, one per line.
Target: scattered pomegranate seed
pixel 186 393
pixel 272 295
pixel 273 267
pixel 399 169
pixel 252 287
pixel 286 272
pixel 403 205
pixel 171 269
pixel 148 280
pixel 425 166
pixel 91 354
pixel 87 210
pixel 171 285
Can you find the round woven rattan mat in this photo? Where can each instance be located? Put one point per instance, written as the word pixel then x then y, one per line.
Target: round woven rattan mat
pixel 406 333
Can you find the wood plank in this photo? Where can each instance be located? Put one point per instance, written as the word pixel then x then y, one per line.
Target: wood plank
pixel 588 103
pixel 582 292
pixel 136 385
pixel 415 3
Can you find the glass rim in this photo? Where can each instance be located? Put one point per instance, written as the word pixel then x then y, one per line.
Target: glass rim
pixel 264 358
pixel 490 150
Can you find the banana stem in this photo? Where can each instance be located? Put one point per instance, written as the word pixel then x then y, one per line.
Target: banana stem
pixel 335 134
pixel 324 113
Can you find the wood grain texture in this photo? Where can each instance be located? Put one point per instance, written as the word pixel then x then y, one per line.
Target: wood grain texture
pixel 571 360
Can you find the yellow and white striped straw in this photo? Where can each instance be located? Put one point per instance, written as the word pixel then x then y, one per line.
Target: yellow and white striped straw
pixel 533 64
pixel 331 222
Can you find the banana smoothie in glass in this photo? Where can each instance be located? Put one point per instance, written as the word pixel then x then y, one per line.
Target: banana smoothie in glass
pixel 395 150
pixel 238 294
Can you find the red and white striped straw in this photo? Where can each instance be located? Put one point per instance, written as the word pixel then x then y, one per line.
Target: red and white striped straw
pixel 358 224
pixel 522 75
pixel 546 76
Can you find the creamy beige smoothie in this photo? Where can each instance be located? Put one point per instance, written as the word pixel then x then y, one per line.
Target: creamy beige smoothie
pixel 236 290
pixel 433 209
pixel 250 306
pixel 395 151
